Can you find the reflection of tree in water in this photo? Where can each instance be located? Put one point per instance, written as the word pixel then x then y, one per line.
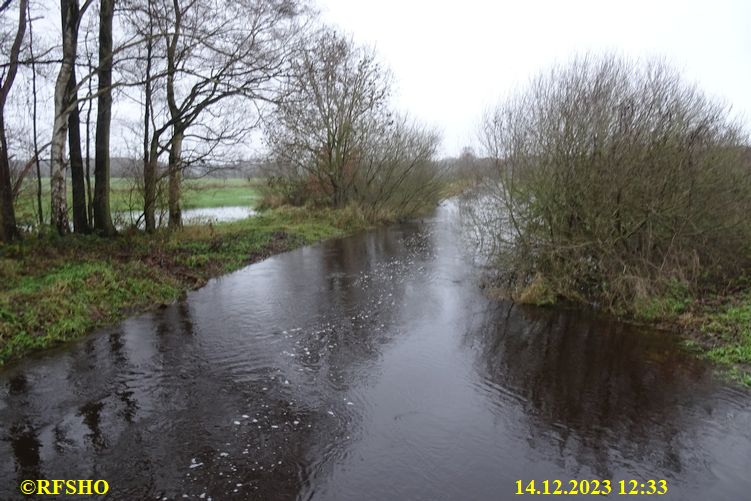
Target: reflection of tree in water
pixel 21 435
pixel 18 385
pixel 591 386
pixel 364 279
pixel 25 443
pixel 91 415
pixel 198 403
pixel 120 361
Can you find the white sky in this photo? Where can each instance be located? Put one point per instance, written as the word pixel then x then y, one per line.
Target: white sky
pixel 453 59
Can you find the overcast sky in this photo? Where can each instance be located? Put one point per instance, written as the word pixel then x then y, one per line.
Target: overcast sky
pixel 453 59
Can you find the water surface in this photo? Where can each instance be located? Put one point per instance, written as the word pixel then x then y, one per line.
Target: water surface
pixel 369 368
pixel 203 215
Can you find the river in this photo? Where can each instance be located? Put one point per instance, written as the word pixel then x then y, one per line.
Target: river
pixel 370 368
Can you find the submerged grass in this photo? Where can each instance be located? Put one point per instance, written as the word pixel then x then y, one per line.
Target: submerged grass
pixel 56 289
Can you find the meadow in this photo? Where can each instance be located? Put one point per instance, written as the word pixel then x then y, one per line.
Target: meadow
pixel 198 193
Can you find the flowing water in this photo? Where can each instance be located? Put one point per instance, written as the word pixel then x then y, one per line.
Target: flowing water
pixel 370 368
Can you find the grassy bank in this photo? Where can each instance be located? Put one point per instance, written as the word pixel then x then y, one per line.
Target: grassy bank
pixel 715 326
pixel 56 289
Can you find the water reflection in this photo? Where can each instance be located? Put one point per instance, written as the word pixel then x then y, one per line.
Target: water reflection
pixel 372 368
pixel 25 445
pixel 615 399
pixel 91 415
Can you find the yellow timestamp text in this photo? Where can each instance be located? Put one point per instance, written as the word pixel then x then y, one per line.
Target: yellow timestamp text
pixel 594 487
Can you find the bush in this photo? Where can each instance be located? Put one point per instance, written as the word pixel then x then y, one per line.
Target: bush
pixel 615 180
pixel 334 141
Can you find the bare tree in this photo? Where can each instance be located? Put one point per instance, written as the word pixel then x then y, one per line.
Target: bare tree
pixel 89 54
pixel 188 60
pixel 337 96
pixel 214 54
pixel 80 218
pixel 34 118
pixel 8 229
pixel 335 140
pixel 102 217
pixel 149 168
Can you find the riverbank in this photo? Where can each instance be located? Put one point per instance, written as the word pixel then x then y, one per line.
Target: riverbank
pixel 714 325
pixel 56 289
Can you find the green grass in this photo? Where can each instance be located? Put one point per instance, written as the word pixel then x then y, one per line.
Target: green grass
pixel 197 194
pixel 54 289
pixel 73 298
pixel 204 193
pixel 728 330
pixel 667 307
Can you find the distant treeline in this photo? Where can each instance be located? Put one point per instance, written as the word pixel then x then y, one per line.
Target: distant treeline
pixel 200 77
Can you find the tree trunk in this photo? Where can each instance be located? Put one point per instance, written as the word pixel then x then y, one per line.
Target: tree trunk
pixel 80 219
pixel 102 217
pixel 90 103
pixel 149 184
pixel 59 205
pixel 34 115
pixel 174 169
pixel 150 148
pixel 59 202
pixel 89 194
pixel 8 228
pixel 175 175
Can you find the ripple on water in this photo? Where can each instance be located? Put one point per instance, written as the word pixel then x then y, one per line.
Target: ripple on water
pixel 369 367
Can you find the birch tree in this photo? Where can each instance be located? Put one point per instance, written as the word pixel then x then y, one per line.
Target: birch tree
pixel 70 14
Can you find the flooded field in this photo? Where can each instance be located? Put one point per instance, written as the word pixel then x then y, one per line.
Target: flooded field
pixel 205 215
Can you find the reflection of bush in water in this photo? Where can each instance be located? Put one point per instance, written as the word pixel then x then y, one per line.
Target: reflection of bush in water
pixel 598 385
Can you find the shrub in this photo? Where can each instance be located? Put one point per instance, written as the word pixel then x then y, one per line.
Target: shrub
pixel 334 141
pixel 614 180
